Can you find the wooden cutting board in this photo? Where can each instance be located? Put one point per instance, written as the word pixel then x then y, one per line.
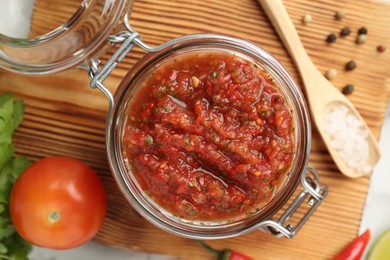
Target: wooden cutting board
pixel 65 117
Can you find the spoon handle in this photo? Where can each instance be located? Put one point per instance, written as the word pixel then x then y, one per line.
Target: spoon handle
pixel 278 15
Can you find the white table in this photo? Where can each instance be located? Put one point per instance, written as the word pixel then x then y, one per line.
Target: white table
pixel 14 21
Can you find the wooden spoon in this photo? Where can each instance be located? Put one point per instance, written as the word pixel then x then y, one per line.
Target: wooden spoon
pixel 322 95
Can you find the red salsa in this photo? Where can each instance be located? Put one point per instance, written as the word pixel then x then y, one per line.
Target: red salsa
pixel 209 136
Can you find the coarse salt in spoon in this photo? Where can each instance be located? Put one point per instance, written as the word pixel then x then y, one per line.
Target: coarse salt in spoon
pixel 350 142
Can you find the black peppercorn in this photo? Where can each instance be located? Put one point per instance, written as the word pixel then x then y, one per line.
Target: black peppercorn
pixel 348 89
pixel 351 65
pixel 381 48
pixel 345 31
pixel 362 30
pixel 331 38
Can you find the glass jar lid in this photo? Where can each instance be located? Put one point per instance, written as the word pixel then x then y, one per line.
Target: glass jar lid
pixel 82 36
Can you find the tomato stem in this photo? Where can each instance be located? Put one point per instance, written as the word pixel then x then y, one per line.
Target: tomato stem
pixel 54 216
pixel 220 254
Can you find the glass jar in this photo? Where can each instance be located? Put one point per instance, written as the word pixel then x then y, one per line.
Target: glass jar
pixel 70 45
pixel 216 229
pixel 40 56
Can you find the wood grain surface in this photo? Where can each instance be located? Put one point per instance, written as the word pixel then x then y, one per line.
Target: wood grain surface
pixel 65 117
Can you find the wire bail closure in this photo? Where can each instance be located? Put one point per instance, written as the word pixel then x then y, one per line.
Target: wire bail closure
pixel 127 39
pixel 98 76
pixel 315 195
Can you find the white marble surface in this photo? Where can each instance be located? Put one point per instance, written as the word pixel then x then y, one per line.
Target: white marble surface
pixel 376 214
pixel 14 21
pixel 15 17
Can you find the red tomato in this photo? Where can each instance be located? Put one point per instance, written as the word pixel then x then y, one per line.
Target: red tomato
pixel 58 202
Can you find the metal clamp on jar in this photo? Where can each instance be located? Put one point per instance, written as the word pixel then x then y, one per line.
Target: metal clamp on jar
pixel 83 38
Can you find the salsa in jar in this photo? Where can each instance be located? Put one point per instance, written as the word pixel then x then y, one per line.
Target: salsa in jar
pixel 209 136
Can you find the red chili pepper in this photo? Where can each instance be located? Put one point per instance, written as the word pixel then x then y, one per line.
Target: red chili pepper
pixel 355 250
pixel 225 254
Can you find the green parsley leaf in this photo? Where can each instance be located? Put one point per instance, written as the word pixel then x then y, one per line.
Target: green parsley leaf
pixel 6 118
pixel 3 249
pixel 263 114
pixel 6 152
pixel 12 246
pixel 18 248
pixel 19 164
pixel 6 228
pixel 18 113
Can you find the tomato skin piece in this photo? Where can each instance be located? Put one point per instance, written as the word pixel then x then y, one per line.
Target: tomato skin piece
pixel 63 185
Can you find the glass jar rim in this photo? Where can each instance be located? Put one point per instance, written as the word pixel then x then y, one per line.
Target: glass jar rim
pixel 114 151
pixel 68 46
